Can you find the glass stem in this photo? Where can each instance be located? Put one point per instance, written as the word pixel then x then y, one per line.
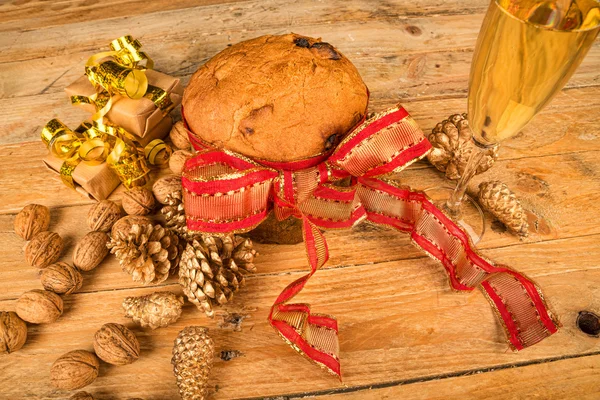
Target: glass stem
pixel 455 200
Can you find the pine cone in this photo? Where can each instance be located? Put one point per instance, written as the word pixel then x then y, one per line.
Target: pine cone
pixel 193 354
pixel 174 214
pixel 212 269
pixel 155 310
pixel 452 147
pixel 498 199
pixel 149 253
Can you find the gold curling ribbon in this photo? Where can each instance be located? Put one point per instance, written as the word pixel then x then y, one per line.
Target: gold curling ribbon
pixel 158 153
pixel 93 144
pixel 119 71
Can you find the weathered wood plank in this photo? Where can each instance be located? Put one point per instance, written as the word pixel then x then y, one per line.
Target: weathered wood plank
pixel 560 193
pixel 575 378
pixel 23 15
pixel 398 321
pixel 28 14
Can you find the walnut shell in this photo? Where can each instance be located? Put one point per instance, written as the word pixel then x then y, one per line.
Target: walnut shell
pixel 103 215
pixel 178 159
pixel 43 249
pixel 39 306
pixel 179 136
pixel 138 201
pixel 81 396
pixel 124 224
pixel 90 251
pixel 31 220
pixel 165 186
pixel 61 278
pixel 74 370
pixel 116 344
pixel 13 332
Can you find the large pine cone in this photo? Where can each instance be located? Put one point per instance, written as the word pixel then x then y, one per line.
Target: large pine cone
pixel 212 269
pixel 193 355
pixel 452 147
pixel 498 199
pixel 148 253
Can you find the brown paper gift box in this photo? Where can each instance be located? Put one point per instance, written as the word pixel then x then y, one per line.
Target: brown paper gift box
pixel 99 181
pixel 136 116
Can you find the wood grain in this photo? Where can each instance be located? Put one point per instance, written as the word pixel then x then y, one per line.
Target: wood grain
pixel 575 378
pixel 404 328
pixel 404 333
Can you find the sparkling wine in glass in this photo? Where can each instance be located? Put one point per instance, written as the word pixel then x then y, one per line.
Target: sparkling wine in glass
pixel 526 52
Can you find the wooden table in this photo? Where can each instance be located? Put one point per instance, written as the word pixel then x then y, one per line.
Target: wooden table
pixel 404 333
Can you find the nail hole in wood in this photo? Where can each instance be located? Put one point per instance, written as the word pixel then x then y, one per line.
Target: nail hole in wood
pixel 589 323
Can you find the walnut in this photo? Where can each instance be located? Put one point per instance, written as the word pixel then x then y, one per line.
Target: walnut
pixel 90 251
pixel 74 370
pixel 138 201
pixel 178 159
pixel 116 344
pixel 179 136
pixel 124 224
pixel 61 278
pixel 13 332
pixel 103 215
pixel 165 186
pixel 43 249
pixel 31 220
pixel 39 306
pixel 81 396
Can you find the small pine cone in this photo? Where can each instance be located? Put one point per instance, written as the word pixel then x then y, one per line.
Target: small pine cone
pixel 498 199
pixel 148 253
pixel 155 310
pixel 174 214
pixel 452 147
pixel 212 269
pixel 193 354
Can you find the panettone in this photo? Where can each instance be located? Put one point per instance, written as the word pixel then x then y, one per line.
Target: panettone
pixel 276 98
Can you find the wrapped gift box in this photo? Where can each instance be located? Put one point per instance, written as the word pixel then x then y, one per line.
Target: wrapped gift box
pixel 99 181
pixel 137 116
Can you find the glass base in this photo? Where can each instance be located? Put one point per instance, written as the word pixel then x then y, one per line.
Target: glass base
pixel 470 216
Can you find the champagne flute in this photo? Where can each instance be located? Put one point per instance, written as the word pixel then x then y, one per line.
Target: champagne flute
pixel 526 52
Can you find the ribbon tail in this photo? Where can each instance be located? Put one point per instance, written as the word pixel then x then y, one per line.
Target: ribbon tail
pixel 312 335
pixel 517 301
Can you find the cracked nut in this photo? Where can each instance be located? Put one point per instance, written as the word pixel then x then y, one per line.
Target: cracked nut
pixel 90 251
pixel 116 344
pixel 103 215
pixel 39 306
pixel 138 201
pixel 74 370
pixel 31 220
pixel 13 332
pixel 43 249
pixel 61 278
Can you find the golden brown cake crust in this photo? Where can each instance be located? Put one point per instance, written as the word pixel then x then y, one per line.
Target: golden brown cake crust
pixel 277 98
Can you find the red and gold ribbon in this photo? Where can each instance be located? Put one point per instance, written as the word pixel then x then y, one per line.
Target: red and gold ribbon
pixel 225 192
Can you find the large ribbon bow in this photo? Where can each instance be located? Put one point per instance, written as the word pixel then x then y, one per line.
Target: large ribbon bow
pixel 225 192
